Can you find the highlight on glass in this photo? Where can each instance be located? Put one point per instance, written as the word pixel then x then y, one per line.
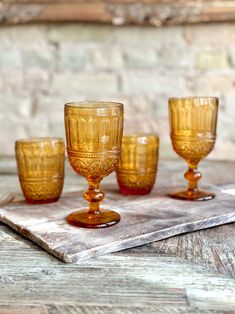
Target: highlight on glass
pixel 40 164
pixel 94 137
pixel 136 172
pixel 193 123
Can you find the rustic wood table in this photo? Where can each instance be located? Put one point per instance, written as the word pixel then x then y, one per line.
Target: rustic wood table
pixel 190 273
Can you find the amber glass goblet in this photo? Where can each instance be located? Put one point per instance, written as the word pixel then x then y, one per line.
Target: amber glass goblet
pixel 136 171
pixel 40 164
pixel 193 134
pixel 94 136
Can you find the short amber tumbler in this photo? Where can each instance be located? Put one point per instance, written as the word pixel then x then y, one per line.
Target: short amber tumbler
pixel 40 164
pixel 136 172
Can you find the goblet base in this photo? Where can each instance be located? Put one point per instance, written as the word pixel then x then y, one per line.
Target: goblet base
pixel 84 219
pixel 192 196
pixel 38 202
pixel 134 191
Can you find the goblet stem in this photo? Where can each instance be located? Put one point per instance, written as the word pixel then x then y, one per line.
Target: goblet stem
pixel 193 176
pixel 93 217
pixel 94 195
pixel 192 193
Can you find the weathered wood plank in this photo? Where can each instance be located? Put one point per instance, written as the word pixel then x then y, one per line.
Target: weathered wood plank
pixel 153 270
pixel 142 283
pixel 5 197
pixel 144 220
pixel 29 309
pixel 118 12
pixel 213 248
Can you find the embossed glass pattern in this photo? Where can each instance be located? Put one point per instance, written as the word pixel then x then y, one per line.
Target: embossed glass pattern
pixel 40 164
pixel 137 168
pixel 94 135
pixel 193 134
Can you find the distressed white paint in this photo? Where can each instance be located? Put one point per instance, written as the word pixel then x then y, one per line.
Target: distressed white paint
pixel 144 220
pixel 180 275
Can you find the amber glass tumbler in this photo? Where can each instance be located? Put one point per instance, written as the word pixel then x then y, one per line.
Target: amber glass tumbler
pixel 94 136
pixel 193 133
pixel 40 164
pixel 136 172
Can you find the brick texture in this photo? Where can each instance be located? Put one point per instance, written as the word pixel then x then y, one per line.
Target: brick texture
pixel 44 66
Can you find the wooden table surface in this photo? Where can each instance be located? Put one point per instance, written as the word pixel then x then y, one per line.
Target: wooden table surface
pixel 191 273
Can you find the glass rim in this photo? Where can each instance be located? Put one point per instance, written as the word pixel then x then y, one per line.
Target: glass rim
pixel 40 140
pixel 198 98
pixel 140 135
pixel 93 104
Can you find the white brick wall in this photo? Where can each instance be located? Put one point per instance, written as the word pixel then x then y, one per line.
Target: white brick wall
pixel 43 66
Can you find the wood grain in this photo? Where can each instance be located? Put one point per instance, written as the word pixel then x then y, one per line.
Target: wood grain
pixel 118 12
pixel 136 282
pixel 175 275
pixel 144 220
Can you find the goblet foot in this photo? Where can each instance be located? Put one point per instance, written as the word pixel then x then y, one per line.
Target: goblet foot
pixel 84 219
pixel 188 195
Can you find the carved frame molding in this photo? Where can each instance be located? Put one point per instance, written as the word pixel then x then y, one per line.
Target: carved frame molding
pixel 117 12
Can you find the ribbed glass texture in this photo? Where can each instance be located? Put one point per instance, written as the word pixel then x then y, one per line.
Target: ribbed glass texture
pixel 40 164
pixel 137 168
pixel 193 126
pixel 193 133
pixel 94 136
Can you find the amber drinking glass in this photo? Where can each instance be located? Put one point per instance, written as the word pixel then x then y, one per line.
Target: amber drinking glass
pixel 137 167
pixel 40 164
pixel 94 136
pixel 193 133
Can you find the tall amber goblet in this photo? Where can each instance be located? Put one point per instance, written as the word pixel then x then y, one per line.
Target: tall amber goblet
pixel 94 137
pixel 193 133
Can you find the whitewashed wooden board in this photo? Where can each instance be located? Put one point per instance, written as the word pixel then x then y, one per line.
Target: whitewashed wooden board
pixel 144 219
